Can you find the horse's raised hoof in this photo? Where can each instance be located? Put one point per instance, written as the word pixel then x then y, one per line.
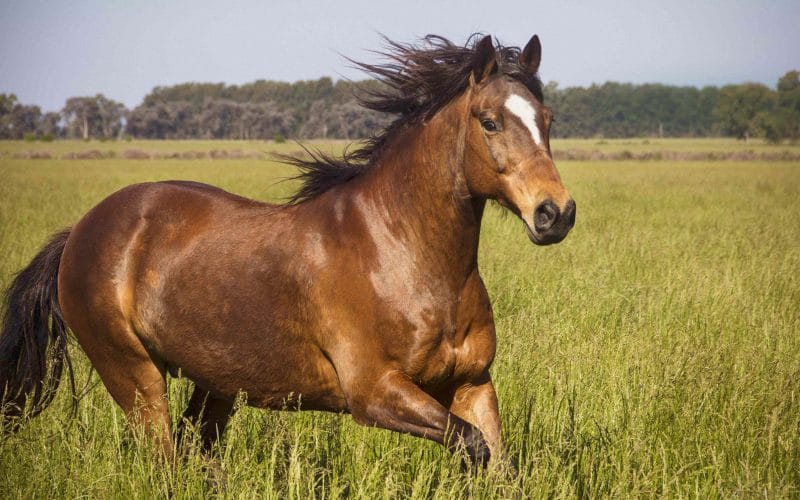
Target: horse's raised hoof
pixel 476 448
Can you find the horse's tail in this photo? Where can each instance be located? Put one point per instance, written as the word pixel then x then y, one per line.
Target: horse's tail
pixel 33 339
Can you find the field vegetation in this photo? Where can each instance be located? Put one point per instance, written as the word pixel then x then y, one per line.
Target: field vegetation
pixel 159 149
pixel 654 352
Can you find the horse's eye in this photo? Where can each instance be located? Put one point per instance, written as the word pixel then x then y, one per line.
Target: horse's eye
pixel 489 125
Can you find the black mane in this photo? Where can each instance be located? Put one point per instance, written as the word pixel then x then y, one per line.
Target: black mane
pixel 418 80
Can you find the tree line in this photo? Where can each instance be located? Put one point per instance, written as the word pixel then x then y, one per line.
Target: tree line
pixel 320 109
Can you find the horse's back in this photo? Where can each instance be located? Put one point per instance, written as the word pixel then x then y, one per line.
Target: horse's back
pixel 105 240
pixel 100 263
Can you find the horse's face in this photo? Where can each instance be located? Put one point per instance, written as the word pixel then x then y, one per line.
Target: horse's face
pixel 508 148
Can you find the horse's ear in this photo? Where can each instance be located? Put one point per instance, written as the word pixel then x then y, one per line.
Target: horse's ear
pixel 484 62
pixel 531 55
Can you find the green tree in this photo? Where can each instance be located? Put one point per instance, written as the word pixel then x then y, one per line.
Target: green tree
pixel 110 114
pixel 7 103
pixel 80 116
pixel 788 108
pixel 25 120
pixel 741 108
pixel 49 125
pixel 97 116
pixel 17 119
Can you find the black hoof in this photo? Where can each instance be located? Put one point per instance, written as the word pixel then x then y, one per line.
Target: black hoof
pixel 476 447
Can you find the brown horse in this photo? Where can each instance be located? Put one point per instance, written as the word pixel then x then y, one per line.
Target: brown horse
pixel 362 294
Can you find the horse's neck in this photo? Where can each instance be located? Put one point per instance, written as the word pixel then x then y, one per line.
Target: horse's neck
pixel 420 189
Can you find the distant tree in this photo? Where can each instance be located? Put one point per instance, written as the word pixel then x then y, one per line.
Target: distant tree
pixel 740 105
pixel 318 123
pixel 343 120
pixel 110 114
pixel 16 119
pixel 154 121
pixel 80 116
pixel 50 125
pixel 348 120
pixel 96 116
pixel 625 110
pixel 752 109
pixel 322 109
pixel 7 102
pixel 788 107
pixel 707 101
pixel 267 120
pixel 24 120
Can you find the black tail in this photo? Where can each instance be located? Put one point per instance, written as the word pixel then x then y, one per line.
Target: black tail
pixel 33 341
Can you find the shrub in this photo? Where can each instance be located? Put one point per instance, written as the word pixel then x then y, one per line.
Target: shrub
pixel 136 154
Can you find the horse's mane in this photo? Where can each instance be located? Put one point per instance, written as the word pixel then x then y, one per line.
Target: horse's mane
pixel 417 81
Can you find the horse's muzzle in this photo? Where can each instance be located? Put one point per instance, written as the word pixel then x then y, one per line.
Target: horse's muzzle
pixel 551 224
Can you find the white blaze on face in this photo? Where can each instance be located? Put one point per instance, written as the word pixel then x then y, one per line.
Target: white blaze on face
pixel 524 110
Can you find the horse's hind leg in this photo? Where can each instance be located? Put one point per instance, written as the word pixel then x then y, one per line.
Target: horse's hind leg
pixel 138 385
pixel 209 413
pixel 132 376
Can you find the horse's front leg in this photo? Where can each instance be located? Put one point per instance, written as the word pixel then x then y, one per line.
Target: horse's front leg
pixel 393 401
pixel 476 402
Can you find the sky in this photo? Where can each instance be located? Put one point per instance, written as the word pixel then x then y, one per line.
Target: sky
pixel 52 50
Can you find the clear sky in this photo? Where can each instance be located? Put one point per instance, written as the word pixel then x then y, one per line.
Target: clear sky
pixel 52 50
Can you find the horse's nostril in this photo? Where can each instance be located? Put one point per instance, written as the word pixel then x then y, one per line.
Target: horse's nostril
pixel 569 213
pixel 545 216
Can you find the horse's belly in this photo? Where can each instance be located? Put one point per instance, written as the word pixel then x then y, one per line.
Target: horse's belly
pixel 230 339
pixel 272 374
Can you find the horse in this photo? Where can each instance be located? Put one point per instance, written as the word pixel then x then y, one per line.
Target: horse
pixel 360 294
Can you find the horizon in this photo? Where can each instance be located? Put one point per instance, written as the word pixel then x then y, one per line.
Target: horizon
pixel 50 52
pixel 560 87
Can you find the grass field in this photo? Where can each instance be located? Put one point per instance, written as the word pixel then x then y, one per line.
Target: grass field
pixel 634 145
pixel 655 352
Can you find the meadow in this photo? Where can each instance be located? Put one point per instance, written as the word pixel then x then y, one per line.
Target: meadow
pixel 57 149
pixel 654 352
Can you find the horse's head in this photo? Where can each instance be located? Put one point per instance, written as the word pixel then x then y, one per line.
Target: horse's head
pixel 508 155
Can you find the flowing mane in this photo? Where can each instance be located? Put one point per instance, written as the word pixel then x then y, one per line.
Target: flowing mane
pixel 418 80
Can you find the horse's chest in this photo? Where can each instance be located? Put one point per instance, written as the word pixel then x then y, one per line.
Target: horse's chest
pixel 450 340
pixel 453 356
pixel 438 366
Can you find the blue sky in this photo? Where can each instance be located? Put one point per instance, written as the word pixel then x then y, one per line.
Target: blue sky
pixel 52 50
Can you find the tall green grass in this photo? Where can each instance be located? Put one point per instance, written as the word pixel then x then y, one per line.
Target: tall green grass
pixel 654 352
